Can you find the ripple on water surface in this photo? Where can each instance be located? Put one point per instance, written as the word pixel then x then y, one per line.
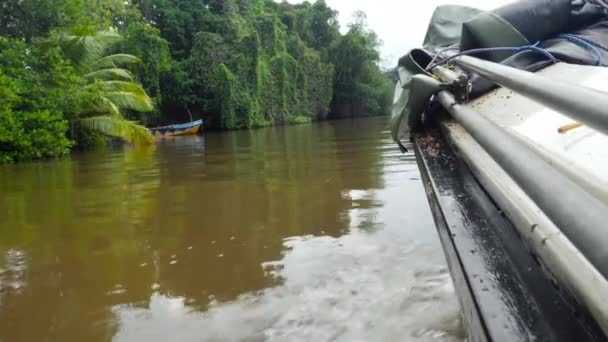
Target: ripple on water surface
pixel 354 288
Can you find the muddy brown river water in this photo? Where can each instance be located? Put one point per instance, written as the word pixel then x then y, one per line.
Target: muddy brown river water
pixel 303 233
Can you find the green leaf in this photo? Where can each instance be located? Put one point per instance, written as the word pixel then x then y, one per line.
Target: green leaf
pixel 130 100
pixel 122 86
pixel 110 74
pixel 85 50
pixel 120 128
pixel 110 97
pixel 114 61
pixel 101 105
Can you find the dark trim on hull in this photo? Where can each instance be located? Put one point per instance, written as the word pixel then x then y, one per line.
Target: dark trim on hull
pixel 505 294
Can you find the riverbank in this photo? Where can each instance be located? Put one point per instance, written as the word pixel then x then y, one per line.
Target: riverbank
pixel 111 67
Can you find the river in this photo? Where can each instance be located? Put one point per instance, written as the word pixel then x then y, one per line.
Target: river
pixel 305 233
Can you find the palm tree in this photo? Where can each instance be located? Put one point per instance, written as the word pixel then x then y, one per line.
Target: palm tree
pixel 110 88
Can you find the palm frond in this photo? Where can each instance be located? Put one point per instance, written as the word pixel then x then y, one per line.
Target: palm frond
pixel 113 96
pixel 114 61
pixel 110 88
pixel 108 37
pixel 125 86
pixel 110 74
pixel 102 105
pixel 84 50
pixel 127 95
pixel 117 95
pixel 120 128
pixel 128 100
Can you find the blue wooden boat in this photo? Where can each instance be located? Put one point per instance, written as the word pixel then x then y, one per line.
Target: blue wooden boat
pixel 190 128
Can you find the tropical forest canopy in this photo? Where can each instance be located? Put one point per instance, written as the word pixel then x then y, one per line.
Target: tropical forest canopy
pixel 71 70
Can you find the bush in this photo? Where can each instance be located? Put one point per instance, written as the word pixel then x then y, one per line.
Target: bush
pixel 36 87
pixel 299 120
pixel 32 135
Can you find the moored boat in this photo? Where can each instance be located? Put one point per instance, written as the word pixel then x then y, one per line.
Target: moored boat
pixel 507 112
pixel 190 128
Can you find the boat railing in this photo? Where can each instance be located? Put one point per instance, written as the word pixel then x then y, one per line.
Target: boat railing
pixel 585 105
pixel 578 213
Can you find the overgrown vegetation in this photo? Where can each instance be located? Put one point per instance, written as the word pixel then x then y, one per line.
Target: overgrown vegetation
pixel 70 66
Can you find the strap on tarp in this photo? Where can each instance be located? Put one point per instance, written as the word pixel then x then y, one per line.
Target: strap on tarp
pixel 417 87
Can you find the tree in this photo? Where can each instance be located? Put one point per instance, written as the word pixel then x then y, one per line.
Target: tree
pixel 323 25
pixel 110 89
pixel 278 62
pixel 27 19
pixel 36 87
pixel 177 21
pixel 235 63
pixel 143 41
pixel 360 87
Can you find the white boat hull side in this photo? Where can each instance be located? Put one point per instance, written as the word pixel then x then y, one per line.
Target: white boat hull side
pixel 582 152
pixel 556 251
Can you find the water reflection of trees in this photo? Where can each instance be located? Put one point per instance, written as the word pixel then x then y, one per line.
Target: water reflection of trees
pixel 258 188
pixel 99 231
pixel 77 222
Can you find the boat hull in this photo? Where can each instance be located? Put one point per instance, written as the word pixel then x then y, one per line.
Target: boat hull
pixel 505 293
pixel 177 130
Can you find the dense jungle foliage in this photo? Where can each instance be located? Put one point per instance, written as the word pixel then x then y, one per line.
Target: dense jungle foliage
pixel 73 69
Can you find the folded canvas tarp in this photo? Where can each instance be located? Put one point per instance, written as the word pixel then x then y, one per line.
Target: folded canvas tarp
pixel 573 31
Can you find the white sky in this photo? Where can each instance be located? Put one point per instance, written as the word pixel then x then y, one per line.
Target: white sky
pixel 400 24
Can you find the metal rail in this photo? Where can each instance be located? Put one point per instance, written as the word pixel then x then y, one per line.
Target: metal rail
pixel 581 216
pixel 586 105
pixel 558 253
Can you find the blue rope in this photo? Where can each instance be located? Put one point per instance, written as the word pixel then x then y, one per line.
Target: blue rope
pixel 533 48
pixel 586 44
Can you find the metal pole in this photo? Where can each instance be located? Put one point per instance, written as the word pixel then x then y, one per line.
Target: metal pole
pixel 586 105
pixel 580 215
pixel 589 182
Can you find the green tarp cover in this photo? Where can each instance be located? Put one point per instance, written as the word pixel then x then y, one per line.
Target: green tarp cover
pixel 446 25
pixel 415 85
pixel 516 24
